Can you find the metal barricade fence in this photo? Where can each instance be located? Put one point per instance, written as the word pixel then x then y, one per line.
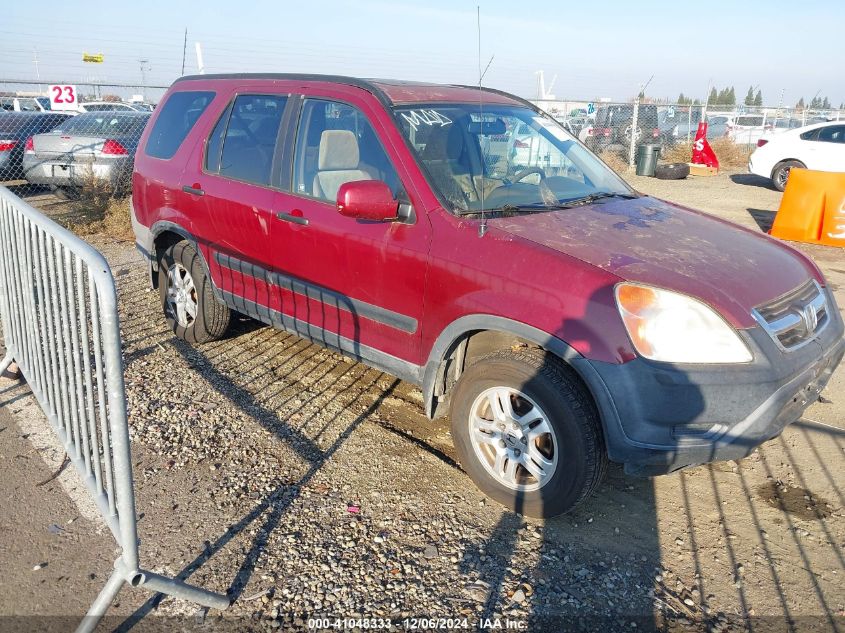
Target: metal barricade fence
pixel 58 305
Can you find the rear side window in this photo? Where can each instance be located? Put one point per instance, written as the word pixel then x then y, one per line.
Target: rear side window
pixel 832 134
pixel 247 131
pixel 177 117
pixel 811 135
pixel 215 142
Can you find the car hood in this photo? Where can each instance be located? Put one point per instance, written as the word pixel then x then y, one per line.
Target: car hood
pixel 655 242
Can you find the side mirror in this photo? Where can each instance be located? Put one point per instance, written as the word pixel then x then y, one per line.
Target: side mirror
pixel 367 200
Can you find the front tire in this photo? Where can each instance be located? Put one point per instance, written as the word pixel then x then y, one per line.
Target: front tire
pixel 781 173
pixel 527 433
pixel 190 307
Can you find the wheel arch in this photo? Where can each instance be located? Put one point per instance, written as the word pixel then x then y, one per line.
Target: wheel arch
pixel 474 335
pixel 166 234
pixel 777 165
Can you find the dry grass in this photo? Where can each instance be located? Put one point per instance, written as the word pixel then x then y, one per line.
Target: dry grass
pixel 730 154
pixel 97 209
pixel 115 221
pixel 615 161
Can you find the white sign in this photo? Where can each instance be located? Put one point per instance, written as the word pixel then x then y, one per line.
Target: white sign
pixel 63 97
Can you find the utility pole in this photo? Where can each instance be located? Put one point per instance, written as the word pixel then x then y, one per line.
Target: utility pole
pixel 144 62
pixel 184 50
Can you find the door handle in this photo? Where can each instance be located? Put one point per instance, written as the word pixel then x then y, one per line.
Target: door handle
pixel 193 190
pixel 290 217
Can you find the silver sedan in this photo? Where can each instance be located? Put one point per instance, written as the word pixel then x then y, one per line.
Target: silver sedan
pixel 97 145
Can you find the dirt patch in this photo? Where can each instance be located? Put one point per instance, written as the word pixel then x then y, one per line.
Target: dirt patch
pixel 112 220
pixel 794 500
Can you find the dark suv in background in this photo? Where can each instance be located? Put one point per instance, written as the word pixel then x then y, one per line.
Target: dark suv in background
pixel 465 242
pixel 614 124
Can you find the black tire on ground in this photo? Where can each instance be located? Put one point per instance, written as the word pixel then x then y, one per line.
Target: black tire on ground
pixel 671 171
pixel 572 416
pixel 212 318
pixel 780 174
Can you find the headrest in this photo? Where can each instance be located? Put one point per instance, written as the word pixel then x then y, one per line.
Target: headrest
pixel 338 150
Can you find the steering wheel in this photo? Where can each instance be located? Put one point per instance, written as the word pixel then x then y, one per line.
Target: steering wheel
pixel 527 172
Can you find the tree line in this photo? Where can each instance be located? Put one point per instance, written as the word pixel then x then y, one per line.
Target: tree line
pixel 727 97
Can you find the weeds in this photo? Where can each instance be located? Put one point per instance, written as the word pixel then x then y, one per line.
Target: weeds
pixel 730 154
pixel 615 161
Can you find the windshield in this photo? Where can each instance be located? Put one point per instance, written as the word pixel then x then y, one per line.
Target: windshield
pixel 509 156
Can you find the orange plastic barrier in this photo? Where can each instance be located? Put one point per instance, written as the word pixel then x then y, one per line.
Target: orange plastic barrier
pixel 812 208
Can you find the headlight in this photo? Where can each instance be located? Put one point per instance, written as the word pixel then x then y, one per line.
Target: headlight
pixel 671 327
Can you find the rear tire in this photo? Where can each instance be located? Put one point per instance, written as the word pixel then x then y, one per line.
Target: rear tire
pixel 559 437
pixel 780 174
pixel 187 299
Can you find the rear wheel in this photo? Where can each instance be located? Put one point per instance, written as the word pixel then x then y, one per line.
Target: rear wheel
pixel 527 433
pixel 189 304
pixel 781 173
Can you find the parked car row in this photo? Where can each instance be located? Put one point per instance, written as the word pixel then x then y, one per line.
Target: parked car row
pixel 610 125
pixel 42 104
pixel 62 150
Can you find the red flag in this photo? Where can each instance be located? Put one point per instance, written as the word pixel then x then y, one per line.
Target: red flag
pixel 702 153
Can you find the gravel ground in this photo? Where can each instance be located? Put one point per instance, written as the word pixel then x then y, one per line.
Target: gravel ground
pixel 309 485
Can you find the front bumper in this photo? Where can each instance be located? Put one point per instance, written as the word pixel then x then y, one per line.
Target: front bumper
pixel 659 417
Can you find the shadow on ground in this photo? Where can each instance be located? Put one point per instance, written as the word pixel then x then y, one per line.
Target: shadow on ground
pixel 752 180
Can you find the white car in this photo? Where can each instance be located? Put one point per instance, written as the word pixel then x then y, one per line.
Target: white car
pixel 820 147
pixel 747 129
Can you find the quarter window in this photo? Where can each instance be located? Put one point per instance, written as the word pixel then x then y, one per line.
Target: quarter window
pixel 336 144
pixel 175 121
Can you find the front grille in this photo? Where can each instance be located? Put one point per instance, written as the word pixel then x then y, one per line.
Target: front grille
pixel 796 317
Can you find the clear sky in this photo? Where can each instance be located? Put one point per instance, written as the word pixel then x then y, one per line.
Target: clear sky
pixel 596 49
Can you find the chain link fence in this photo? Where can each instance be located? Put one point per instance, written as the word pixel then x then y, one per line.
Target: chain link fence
pixel 615 130
pixel 85 153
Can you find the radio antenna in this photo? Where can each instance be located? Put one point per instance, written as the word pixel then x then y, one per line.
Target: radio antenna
pixel 482 228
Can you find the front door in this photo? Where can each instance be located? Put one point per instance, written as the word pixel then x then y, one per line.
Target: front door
pixel 352 284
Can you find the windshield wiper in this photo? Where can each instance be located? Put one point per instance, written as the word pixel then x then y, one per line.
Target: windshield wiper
pixel 589 199
pixel 510 208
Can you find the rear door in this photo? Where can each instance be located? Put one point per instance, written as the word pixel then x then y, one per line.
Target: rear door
pixel 352 284
pixel 233 177
pixel 828 149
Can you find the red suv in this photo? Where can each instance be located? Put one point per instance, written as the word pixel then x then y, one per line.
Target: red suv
pixel 559 317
